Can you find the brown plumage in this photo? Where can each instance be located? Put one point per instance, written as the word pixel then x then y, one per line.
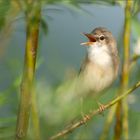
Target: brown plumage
pixel 101 64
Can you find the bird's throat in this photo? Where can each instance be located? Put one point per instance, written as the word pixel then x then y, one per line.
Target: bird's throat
pixel 99 56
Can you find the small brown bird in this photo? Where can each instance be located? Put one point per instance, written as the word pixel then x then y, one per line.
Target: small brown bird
pixel 100 67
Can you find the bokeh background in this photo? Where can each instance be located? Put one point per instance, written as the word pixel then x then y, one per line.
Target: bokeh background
pixel 58 62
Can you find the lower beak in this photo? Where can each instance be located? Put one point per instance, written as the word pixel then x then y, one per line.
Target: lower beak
pixel 91 38
pixel 87 43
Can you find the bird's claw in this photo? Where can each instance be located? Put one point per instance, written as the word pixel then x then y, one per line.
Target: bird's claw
pixel 85 118
pixel 101 108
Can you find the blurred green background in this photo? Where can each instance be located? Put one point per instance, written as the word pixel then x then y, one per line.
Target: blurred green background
pixel 58 61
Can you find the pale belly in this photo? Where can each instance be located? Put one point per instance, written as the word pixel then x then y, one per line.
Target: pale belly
pixel 96 78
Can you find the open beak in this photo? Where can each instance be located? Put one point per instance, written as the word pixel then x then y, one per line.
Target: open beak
pixel 91 38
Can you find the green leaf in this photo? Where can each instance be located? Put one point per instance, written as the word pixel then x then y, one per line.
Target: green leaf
pixel 44 26
pixel 136 25
pixel 4 7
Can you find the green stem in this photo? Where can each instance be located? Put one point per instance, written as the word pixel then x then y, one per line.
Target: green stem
pixel 126 43
pixel 108 123
pixel 32 32
pixel 35 118
pixel 89 116
pixel 126 65
pixel 122 115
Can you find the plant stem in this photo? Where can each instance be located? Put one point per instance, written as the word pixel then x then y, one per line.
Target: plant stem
pixel 35 118
pixel 122 108
pixel 126 43
pixel 108 123
pixel 32 32
pixel 89 116
pixel 126 65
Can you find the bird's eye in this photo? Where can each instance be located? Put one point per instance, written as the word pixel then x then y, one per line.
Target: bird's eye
pixel 102 37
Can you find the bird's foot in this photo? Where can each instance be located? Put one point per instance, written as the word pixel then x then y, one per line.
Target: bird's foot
pixel 101 108
pixel 85 118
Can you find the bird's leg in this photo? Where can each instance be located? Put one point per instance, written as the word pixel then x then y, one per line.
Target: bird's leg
pixel 81 106
pixel 84 116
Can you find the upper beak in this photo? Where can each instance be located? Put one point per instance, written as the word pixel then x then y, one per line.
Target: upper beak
pixel 91 38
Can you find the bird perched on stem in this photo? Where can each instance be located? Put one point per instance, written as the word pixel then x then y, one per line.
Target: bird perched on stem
pixel 101 64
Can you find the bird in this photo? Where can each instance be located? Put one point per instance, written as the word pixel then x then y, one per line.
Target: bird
pixel 101 63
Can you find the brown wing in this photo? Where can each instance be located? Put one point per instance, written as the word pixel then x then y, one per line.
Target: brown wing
pixel 83 65
pixel 116 65
pixel 115 59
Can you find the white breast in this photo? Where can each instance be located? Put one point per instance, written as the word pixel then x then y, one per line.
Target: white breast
pixel 98 73
pixel 99 55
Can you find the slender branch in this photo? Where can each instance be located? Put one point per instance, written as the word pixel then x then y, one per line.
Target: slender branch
pixel 134 60
pixel 21 4
pixel 118 124
pixel 123 108
pixel 32 32
pixel 89 116
pixel 108 123
pixel 126 43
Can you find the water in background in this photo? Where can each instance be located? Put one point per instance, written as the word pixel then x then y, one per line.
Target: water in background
pixel 60 49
